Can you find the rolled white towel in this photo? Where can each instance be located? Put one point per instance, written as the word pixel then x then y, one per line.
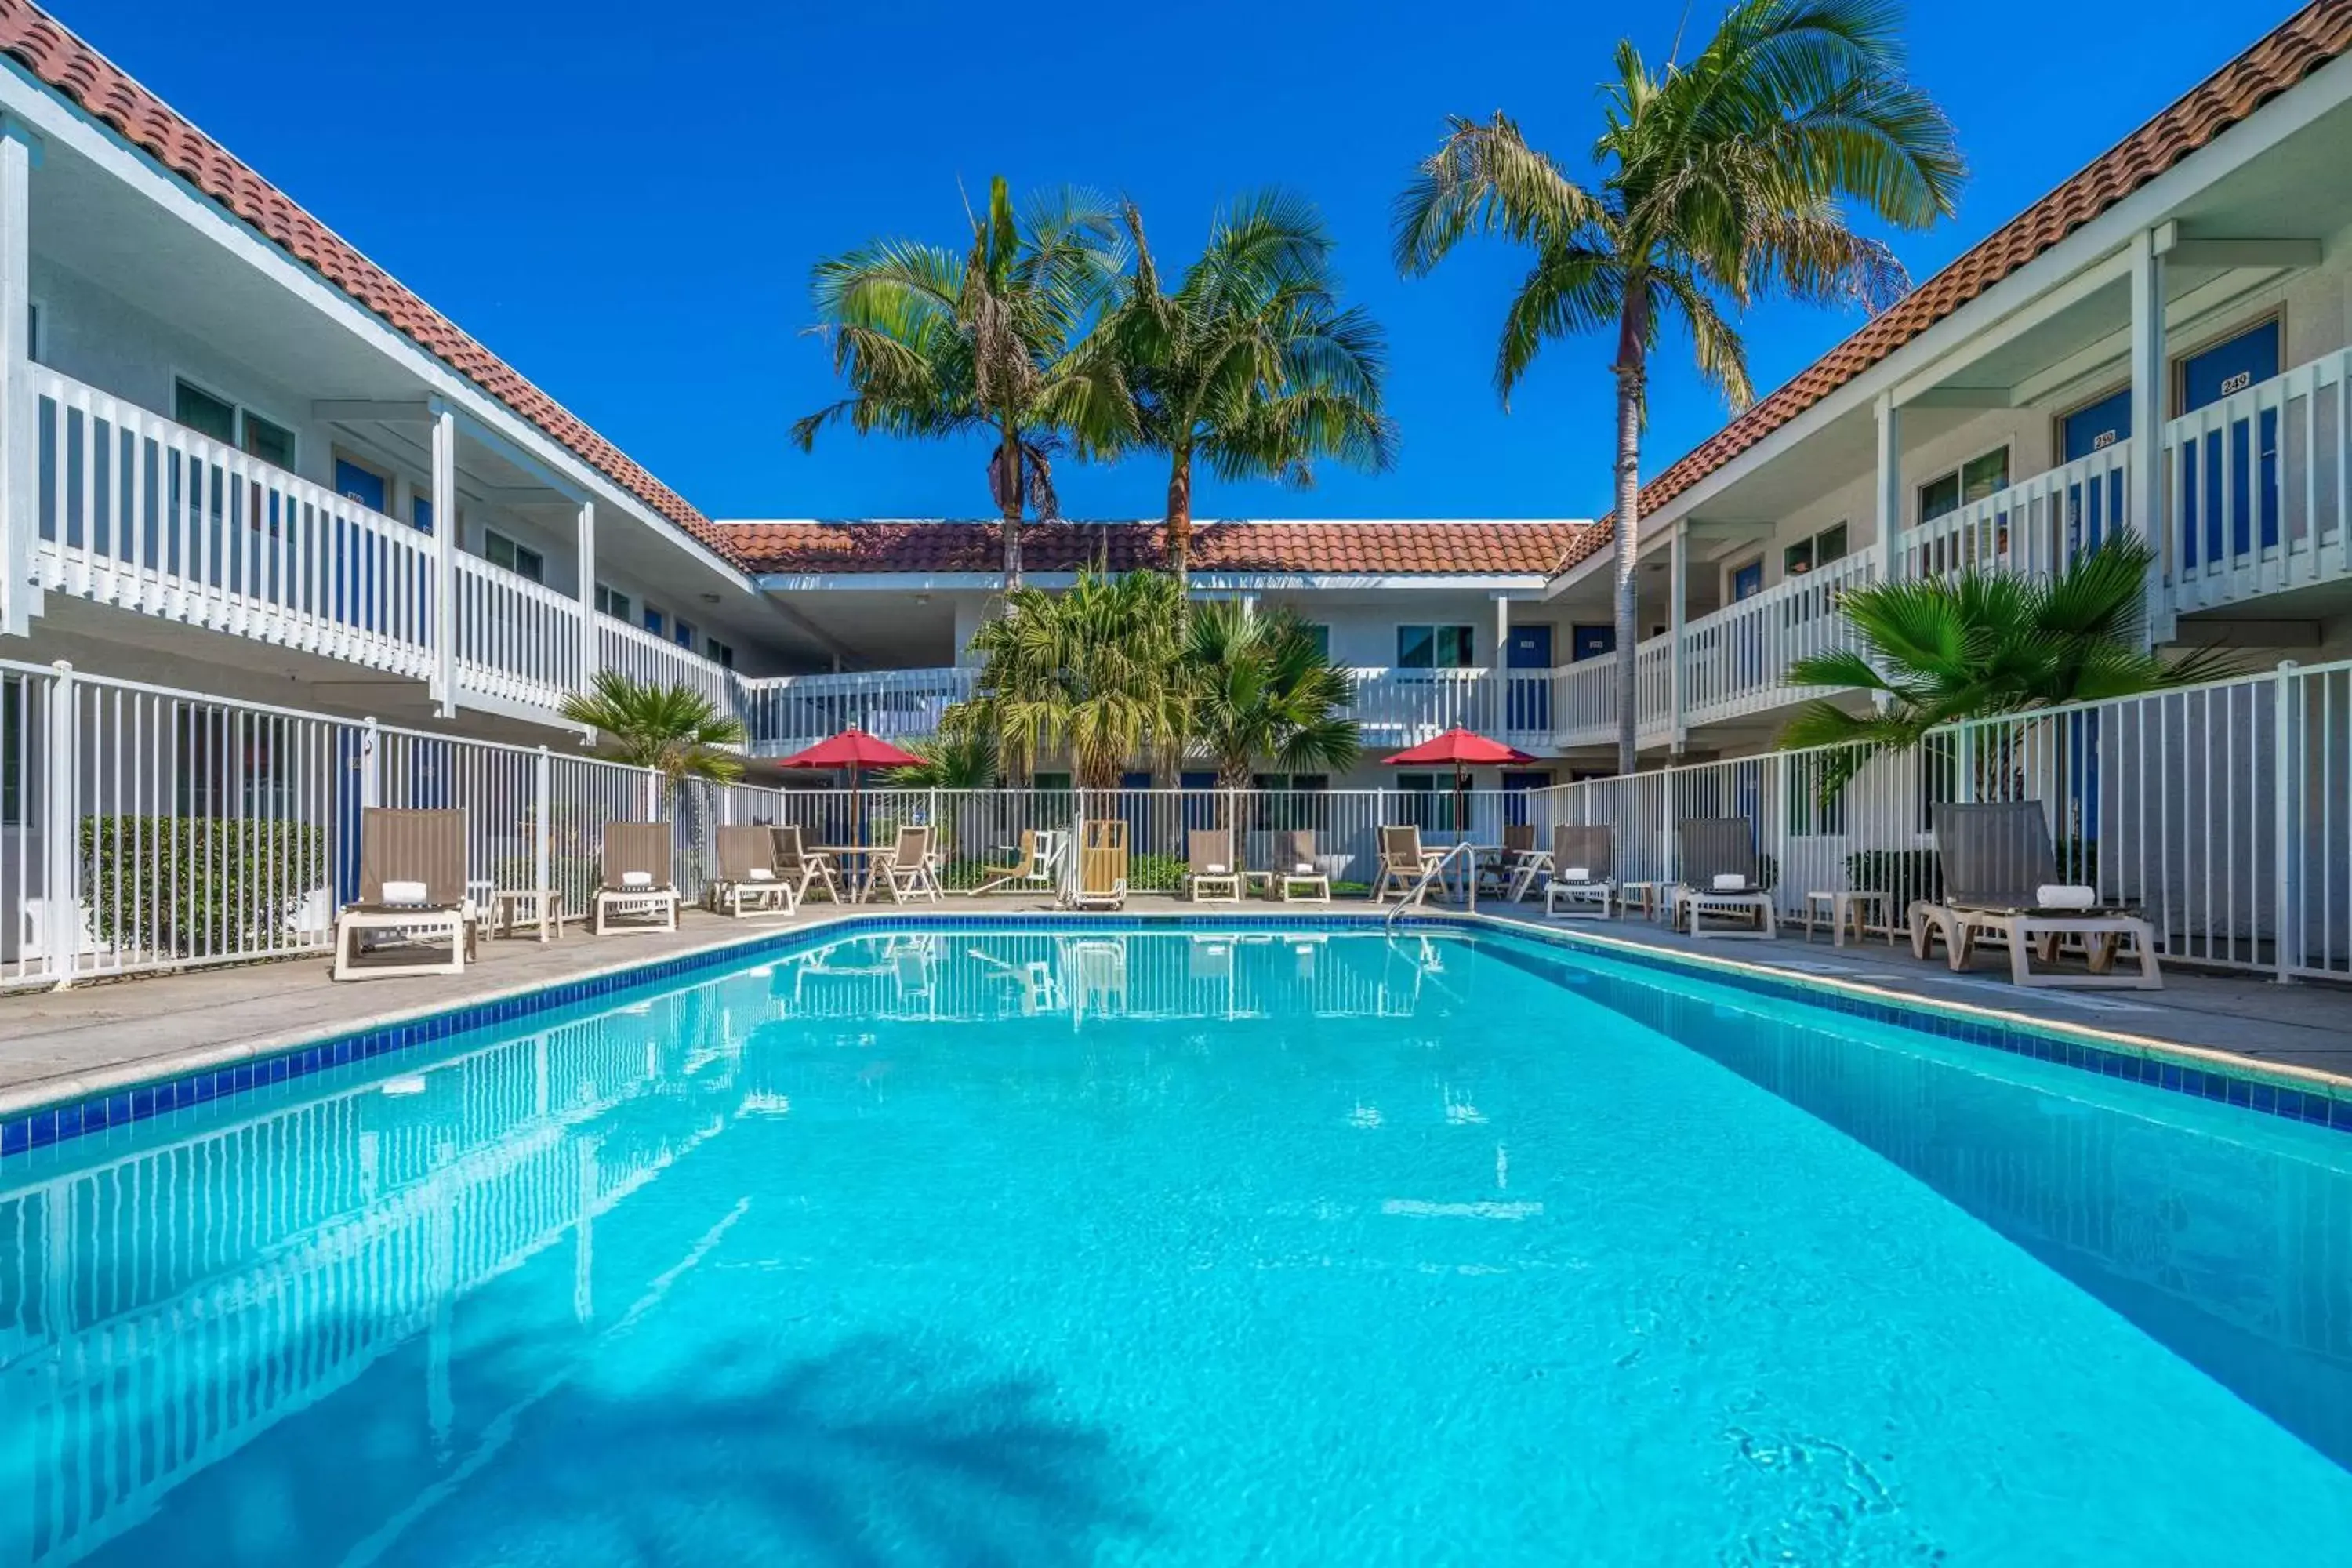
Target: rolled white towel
pixel 759 874
pixel 2065 896
pixel 404 892
pixel 636 879
pixel 1216 869
pixel 1730 882
pixel 1577 874
pixel 1303 869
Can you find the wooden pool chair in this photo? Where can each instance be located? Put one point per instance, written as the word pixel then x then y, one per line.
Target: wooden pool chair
pixel 1299 876
pixel 1719 873
pixel 412 884
pixel 800 867
pixel 749 881
pixel 636 884
pixel 1580 870
pixel 1404 862
pixel 1210 874
pixel 2002 880
pixel 1098 879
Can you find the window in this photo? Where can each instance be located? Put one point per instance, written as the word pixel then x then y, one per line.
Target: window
pixel 1822 548
pixel 1428 801
pixel 1435 647
pixel 685 633
pixel 225 422
pixel 1057 782
pixel 518 559
pixel 1319 634
pixel 13 748
pixel 1972 480
pixel 656 622
pixel 721 654
pixel 611 602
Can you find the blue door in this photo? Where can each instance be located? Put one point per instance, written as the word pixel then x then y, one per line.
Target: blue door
pixel 2215 525
pixel 1748 581
pixel 1528 704
pixel 1590 642
pixel 1515 784
pixel 1747 634
pixel 2096 510
pixel 1200 798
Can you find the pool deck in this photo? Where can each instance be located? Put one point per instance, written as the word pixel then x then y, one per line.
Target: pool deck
pixel 56 1046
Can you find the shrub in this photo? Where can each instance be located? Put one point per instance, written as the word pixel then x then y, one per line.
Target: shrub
pixel 197 885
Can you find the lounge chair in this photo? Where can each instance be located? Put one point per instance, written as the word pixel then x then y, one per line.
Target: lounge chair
pixel 636 881
pixel 1210 875
pixel 1299 876
pixel 2002 880
pixel 1580 870
pixel 747 881
pixel 1032 866
pixel 411 883
pixel 1403 863
pixel 799 866
pixel 1098 880
pixel 1718 872
pixel 905 870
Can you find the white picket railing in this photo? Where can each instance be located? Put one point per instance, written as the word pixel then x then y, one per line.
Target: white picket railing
pixel 517 640
pixel 2257 483
pixel 657 661
pixel 2031 528
pixel 788 712
pixel 1733 660
pixel 140 512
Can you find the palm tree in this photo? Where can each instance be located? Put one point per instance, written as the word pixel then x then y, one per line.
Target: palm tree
pixel 675 730
pixel 1262 690
pixel 964 762
pixel 1935 650
pixel 998 343
pixel 1720 181
pixel 1251 365
pixel 1091 673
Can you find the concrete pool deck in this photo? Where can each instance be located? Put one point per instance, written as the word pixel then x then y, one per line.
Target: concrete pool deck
pixel 56 1046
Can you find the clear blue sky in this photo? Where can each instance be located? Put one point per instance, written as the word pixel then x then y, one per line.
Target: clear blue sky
pixel 624 201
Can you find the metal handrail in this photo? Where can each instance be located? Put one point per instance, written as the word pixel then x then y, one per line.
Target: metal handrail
pixel 1429 872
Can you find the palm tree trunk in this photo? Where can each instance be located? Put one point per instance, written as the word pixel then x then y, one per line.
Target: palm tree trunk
pixel 1008 504
pixel 1631 370
pixel 1179 524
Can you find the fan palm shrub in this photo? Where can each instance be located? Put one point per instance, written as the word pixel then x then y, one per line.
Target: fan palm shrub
pixel 965 761
pixel 675 730
pixel 1092 673
pixel 1251 366
pixel 997 342
pixel 1262 691
pixel 1719 182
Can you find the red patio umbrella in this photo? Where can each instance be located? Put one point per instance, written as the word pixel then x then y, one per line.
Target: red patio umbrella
pixel 1464 750
pixel 856 751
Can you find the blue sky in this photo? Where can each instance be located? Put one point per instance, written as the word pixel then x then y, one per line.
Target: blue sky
pixel 624 201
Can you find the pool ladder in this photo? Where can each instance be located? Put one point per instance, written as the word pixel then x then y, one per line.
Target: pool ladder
pixel 1430 873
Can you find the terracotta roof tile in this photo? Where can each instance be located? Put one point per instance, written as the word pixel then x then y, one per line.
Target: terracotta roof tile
pixel 2297 47
pixel 1394 549
pixel 52 52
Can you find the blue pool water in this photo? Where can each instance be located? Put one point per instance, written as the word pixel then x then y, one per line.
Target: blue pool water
pixel 1146 1249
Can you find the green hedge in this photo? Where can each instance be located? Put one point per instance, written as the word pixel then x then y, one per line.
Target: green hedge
pixel 197 885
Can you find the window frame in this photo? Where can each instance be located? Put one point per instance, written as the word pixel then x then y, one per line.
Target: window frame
pixel 604 596
pixel 718 653
pixel 1467 638
pixel 241 418
pixel 517 552
pixel 1812 545
pixel 1958 475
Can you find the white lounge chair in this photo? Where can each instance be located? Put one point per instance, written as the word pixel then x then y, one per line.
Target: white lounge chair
pixel 2002 880
pixel 1298 875
pixel 636 884
pixel 411 886
pixel 1719 874
pixel 1578 871
pixel 1210 874
pixel 747 881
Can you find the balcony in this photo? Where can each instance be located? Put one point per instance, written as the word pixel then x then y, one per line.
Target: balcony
pixel 786 713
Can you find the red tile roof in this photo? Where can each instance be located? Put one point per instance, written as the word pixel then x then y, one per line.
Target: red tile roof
pixel 1387 549
pixel 53 53
pixel 2297 47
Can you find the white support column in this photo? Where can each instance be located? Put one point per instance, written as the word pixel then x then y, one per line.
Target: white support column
pixel 1889 490
pixel 445 563
pixel 2143 497
pixel 1500 679
pixel 1677 598
pixel 20 451
pixel 592 653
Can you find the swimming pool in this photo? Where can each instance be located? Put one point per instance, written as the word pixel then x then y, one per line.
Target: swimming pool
pixel 1088 1245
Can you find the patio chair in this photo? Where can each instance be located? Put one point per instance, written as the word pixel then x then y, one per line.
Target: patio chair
pixel 636 884
pixel 412 884
pixel 2002 880
pixel 1210 875
pixel 1501 873
pixel 1299 876
pixel 905 870
pixel 1099 881
pixel 1403 863
pixel 1032 867
pixel 1581 871
pixel 1719 873
pixel 799 866
pixel 747 881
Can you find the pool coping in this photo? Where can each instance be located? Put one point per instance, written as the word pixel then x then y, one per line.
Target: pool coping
pixel 44 1113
